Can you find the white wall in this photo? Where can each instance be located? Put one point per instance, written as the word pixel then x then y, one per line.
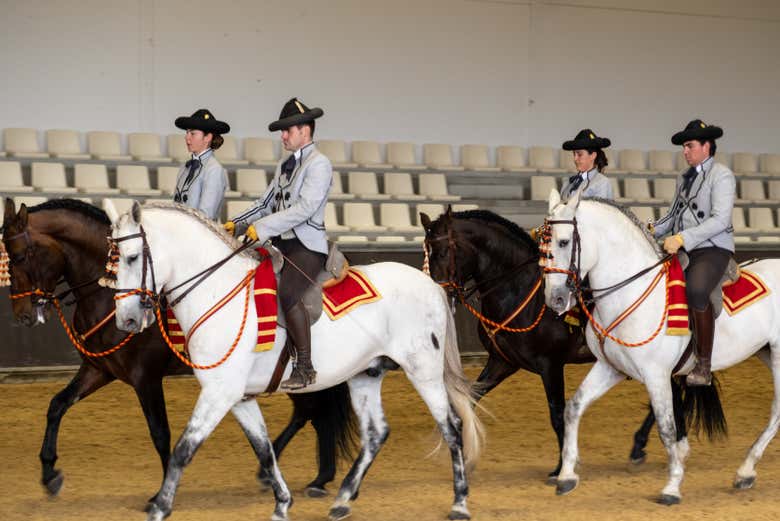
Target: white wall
pixel 457 71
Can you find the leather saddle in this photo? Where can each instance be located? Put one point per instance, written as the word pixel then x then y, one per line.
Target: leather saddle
pixel 730 276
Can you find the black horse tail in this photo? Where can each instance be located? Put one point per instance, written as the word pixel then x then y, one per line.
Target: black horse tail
pixel 702 409
pixel 331 414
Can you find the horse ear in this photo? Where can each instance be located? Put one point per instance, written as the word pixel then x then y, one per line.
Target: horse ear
pixel 448 213
pixel 425 220
pixel 113 214
pixel 555 199
pixel 135 212
pixel 10 211
pixel 22 217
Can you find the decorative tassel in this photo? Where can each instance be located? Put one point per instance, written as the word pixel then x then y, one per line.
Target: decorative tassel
pixel 545 239
pixel 5 274
pixel 112 266
pixel 426 267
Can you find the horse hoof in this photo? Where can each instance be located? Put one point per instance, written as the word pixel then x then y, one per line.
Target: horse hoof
pixel 341 512
pixel 639 461
pixel 552 479
pixel 155 514
pixel 459 513
pixel 54 485
pixel 315 492
pixel 668 500
pixel 565 486
pixel 279 517
pixel 744 483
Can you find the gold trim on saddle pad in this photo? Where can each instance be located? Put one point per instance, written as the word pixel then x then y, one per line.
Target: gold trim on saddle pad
pixel 354 291
pixel 747 290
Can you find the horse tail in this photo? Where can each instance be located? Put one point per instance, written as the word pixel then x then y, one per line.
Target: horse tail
pixel 462 398
pixel 702 409
pixel 330 412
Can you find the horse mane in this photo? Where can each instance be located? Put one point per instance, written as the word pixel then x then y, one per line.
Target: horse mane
pixel 626 211
pixel 196 214
pixel 74 205
pixel 514 230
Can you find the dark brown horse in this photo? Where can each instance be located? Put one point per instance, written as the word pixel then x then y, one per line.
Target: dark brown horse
pixel 478 252
pixel 65 241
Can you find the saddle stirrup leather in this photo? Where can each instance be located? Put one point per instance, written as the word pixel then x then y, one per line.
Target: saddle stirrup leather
pixel 299 328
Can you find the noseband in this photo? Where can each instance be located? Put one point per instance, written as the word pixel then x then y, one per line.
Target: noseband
pixel 148 297
pixel 37 295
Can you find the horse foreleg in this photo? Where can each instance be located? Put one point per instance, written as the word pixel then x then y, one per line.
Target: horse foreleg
pixel 88 379
pixel 600 379
pixel 366 397
pixel 248 414
pixel 150 395
pixel 552 379
pixel 660 390
pixel 209 410
pixel 496 370
pixel 746 474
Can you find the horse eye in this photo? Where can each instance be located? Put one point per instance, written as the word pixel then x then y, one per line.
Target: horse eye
pixel 132 258
pixel 563 243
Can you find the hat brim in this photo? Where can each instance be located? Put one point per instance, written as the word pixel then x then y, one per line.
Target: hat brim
pixel 585 144
pixel 703 134
pixel 296 119
pixel 210 126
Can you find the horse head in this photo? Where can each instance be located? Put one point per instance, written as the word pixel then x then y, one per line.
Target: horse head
pixel 35 266
pixel 135 271
pixel 452 258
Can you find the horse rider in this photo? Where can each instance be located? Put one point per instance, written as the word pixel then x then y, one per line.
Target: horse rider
pixel 590 160
pixel 292 214
pixel 202 181
pixel 699 221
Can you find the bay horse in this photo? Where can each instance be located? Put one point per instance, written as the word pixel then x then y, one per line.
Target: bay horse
pixel 608 243
pixel 478 252
pixel 410 325
pixel 66 240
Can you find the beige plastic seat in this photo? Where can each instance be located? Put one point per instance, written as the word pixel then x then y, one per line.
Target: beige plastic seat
pixel 236 207
pixel 770 164
pixel 364 185
pixel 390 239
pixel 617 193
pixel 566 161
pixel 337 189
pixel 612 165
pixel 336 151
pixel 177 148
pixel 11 179
pixel 22 142
pixel 632 160
pixel 144 146
pixel 665 189
pixel 260 151
pixel 638 190
pixel 543 160
pixel 395 216
pixel 401 155
pixel 662 161
pixel 105 146
pixel 134 180
pixel 541 186
pixel 434 186
pixel 723 158
pixel 464 207
pixel 360 218
pixel 738 220
pixel 331 221
pixel 774 189
pixel 64 144
pixel 644 213
pixel 352 239
pixel 512 159
pixel 166 179
pixel 761 220
pixel 475 157
pixel 50 177
pixel 398 185
pixel 251 182
pixel 92 178
pixel 752 190
pixel 28 200
pixel 122 204
pixel 367 155
pixel 745 163
pixel 432 210
pixel 680 162
pixel 227 154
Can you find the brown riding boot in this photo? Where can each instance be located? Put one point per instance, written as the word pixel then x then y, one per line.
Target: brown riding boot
pixel 704 327
pixel 299 328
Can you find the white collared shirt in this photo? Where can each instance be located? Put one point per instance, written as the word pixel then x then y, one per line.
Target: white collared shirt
pixel 702 166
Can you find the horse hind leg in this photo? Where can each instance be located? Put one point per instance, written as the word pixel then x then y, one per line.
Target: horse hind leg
pixel 746 474
pixel 248 414
pixel 365 391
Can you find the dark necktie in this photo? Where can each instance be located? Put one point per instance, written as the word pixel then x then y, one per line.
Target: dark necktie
pixel 688 178
pixel 193 165
pixel 289 166
pixel 574 182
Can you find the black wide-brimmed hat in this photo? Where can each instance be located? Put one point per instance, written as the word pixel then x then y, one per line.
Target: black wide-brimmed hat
pixel 698 130
pixel 586 139
pixel 203 120
pixel 294 113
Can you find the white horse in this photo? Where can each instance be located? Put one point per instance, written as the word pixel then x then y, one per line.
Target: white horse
pixel 411 326
pixel 613 245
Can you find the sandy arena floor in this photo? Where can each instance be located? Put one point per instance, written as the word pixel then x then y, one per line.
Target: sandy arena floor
pixel 111 468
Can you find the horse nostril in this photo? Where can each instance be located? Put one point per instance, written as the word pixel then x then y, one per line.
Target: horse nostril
pixel 130 323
